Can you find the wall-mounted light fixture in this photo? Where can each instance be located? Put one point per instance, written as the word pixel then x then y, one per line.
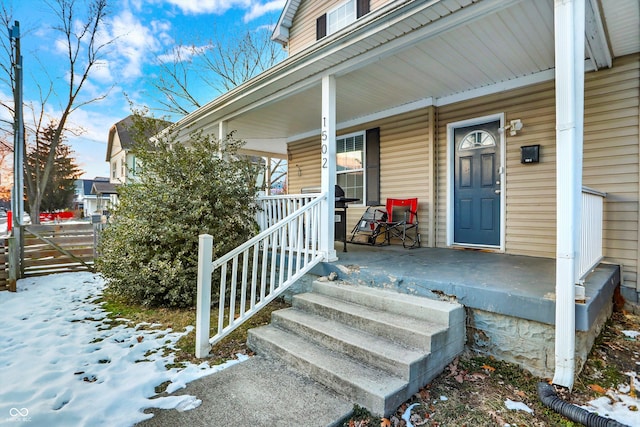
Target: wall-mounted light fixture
pixel 299 170
pixel 514 126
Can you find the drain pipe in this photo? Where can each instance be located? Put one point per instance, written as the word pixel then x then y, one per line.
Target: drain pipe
pixel 569 25
pixel 548 396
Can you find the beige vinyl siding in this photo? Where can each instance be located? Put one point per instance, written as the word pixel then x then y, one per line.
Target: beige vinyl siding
pixel 529 189
pixel 611 157
pixel 611 162
pixel 303 160
pixel 303 28
pixel 404 163
pixel 302 33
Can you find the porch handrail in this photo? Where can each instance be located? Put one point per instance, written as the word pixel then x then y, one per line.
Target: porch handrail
pixel 590 231
pixel 272 209
pixel 279 256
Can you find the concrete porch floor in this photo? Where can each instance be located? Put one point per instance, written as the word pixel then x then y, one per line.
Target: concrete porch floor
pixel 511 285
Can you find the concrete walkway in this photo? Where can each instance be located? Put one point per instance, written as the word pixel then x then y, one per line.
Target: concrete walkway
pixel 257 392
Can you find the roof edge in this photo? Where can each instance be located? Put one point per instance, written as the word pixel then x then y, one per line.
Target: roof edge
pixel 281 30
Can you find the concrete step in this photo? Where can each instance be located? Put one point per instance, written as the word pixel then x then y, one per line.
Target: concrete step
pixel 372 388
pixel 435 311
pixel 374 347
pixel 371 349
pixel 403 329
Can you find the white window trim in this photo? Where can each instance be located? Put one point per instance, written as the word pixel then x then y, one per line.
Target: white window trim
pixel 335 8
pixel 364 164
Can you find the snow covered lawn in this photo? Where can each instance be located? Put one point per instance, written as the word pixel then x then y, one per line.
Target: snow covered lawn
pixel 63 364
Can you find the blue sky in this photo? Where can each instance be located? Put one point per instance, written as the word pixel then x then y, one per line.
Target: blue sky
pixel 145 31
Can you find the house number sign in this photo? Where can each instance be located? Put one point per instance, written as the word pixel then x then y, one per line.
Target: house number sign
pixel 324 148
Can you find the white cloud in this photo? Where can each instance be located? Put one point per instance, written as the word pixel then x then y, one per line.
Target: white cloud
pixel 60 45
pixel 135 43
pixel 255 9
pixel 162 29
pixel 258 9
pixel 182 53
pixel 90 147
pixel 101 71
pixel 209 6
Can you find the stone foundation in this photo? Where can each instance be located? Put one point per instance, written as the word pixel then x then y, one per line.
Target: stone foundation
pixel 528 344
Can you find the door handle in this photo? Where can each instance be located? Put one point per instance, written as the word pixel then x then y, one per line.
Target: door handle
pixel 497 191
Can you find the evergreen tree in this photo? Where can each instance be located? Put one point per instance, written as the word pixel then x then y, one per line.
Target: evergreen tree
pixel 60 188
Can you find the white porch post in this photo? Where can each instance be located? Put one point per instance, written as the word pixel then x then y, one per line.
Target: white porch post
pixel 328 167
pixel 203 298
pixel 569 60
pixel 222 134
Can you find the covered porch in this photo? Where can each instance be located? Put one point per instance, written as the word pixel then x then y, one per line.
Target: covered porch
pixel 407 77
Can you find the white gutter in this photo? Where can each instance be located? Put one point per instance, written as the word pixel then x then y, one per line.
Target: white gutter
pixel 569 21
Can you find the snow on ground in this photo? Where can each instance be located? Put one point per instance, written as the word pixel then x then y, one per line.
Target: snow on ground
pixel 63 364
pixel 517 406
pixel 621 405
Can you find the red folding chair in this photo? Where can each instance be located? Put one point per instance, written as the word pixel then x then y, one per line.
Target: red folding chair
pixel 402 222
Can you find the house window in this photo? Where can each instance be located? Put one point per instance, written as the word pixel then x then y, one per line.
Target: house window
pixel 350 167
pixel 122 169
pixel 341 16
pixel 114 169
pixel 133 165
pixel 477 139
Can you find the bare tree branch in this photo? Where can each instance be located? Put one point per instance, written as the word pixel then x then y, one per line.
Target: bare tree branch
pixel 220 65
pixel 83 51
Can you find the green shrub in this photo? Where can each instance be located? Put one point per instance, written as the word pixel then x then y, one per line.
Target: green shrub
pixel 149 251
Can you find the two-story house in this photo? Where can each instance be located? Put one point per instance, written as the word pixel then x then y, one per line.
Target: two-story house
pixel 495 114
pixel 122 162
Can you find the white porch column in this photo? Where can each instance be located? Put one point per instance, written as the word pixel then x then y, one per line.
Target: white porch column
pixel 328 166
pixel 569 61
pixel 222 135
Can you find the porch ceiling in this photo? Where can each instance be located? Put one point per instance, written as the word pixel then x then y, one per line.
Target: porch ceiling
pixel 432 55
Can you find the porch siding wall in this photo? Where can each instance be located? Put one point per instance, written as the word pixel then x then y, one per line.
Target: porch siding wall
pixel 302 33
pixel 303 162
pixel 612 158
pixel 611 162
pixel 404 163
pixel 529 188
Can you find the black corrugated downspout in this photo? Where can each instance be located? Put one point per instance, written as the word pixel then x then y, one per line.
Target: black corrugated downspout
pixel 548 396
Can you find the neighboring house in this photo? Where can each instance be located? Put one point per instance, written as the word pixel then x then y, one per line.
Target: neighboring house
pixel 122 162
pixel 493 113
pixel 87 202
pixel 106 196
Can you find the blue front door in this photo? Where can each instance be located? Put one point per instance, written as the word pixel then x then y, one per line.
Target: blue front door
pixel 477 184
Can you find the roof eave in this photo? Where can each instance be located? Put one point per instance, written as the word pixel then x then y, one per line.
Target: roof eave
pixel 300 59
pixel 281 30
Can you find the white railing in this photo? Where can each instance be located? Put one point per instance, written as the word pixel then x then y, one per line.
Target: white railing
pixel 590 231
pixel 257 271
pixel 272 209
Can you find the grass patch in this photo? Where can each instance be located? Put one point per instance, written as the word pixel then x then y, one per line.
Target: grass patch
pixel 234 343
pixel 179 319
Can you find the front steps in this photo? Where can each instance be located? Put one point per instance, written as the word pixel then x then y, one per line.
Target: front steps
pixel 377 348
